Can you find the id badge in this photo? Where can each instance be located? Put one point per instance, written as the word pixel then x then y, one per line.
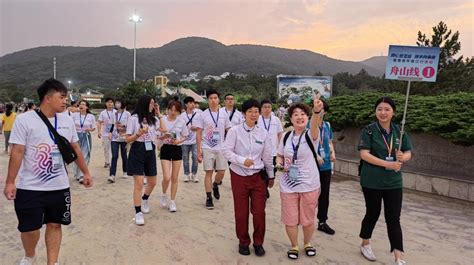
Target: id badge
pixel 322 153
pixel 57 158
pixel 148 146
pixel 216 136
pixel 293 173
pixel 389 158
pixel 108 127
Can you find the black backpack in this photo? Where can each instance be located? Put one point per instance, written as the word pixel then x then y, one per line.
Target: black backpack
pixel 308 140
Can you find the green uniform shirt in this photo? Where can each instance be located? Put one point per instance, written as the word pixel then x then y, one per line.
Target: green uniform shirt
pixel 375 177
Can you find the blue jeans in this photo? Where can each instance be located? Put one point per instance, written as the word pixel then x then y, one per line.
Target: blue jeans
pixel 115 152
pixel 186 149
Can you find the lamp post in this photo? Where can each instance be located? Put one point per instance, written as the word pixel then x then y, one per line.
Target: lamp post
pixel 69 82
pixel 135 19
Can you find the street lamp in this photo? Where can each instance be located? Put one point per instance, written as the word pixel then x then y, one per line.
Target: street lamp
pixel 135 19
pixel 69 82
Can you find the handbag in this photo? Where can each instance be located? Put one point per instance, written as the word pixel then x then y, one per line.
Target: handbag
pixel 67 152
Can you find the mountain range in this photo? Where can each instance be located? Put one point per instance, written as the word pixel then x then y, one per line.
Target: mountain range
pixel 112 66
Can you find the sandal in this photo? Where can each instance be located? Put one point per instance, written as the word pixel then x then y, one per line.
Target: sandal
pixel 293 253
pixel 310 250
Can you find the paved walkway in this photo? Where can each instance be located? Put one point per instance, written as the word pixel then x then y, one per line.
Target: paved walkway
pixel 436 230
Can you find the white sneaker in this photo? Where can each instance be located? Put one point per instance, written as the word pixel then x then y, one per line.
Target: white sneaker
pixel 144 181
pixel 400 262
pixel 139 219
pixel 195 178
pixel 27 261
pixel 145 206
pixel 172 207
pixel 367 252
pixel 124 175
pixel 111 179
pixel 186 178
pixel 164 201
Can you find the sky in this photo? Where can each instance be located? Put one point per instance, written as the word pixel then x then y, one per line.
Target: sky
pixel 351 30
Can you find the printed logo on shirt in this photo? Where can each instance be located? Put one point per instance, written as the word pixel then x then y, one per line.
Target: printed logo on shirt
pixel 44 169
pixel 208 137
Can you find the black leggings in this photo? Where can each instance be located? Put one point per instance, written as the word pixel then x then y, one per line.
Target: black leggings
pixel 323 205
pixel 392 201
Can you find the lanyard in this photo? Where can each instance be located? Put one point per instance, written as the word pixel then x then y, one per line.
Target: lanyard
pixel 216 121
pixel 231 115
pixel 295 148
pixel 120 118
pixel 321 135
pixel 265 124
pixel 389 147
pixel 55 128
pixel 109 114
pixel 81 122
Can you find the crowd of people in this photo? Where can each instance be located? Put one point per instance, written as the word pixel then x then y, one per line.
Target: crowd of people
pixel 250 143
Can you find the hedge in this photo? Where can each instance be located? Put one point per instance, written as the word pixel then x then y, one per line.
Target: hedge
pixel 450 116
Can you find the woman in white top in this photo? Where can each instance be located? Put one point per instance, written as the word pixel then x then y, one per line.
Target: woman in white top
pixel 171 153
pixel 142 130
pixel 85 123
pixel 118 136
pixel 300 184
pixel 249 149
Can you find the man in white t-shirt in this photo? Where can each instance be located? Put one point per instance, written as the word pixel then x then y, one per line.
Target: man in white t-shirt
pixel 272 125
pixel 235 116
pixel 212 124
pixel 42 194
pixel 104 126
pixel 190 145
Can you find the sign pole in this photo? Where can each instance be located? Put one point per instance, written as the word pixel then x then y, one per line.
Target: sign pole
pixel 404 116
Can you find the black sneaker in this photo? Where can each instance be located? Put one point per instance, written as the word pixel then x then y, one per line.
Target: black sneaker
pixel 215 191
pixel 244 250
pixel 324 227
pixel 209 204
pixel 259 250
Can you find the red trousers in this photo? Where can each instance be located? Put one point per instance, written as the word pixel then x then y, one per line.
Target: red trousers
pixel 249 194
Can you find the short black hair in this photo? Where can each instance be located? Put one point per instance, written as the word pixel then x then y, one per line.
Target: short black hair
pixel 186 100
pixel 49 86
pixel 250 103
pixel 108 99
pixel 122 103
pixel 265 101
pixel 228 94
pixel 325 106
pixel 387 100
pixel 211 91
pixel 30 105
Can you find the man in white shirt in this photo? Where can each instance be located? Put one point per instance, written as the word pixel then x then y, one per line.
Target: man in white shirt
pixel 42 194
pixel 212 125
pixel 272 125
pixel 189 145
pixel 235 116
pixel 104 126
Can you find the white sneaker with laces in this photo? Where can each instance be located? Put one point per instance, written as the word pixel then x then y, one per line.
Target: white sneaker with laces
pixel 124 175
pixel 139 219
pixel 195 178
pixel 172 207
pixel 367 252
pixel 27 261
pixel 400 262
pixel 186 178
pixel 164 201
pixel 145 206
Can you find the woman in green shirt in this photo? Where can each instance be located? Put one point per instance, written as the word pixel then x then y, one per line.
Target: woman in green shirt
pixel 380 177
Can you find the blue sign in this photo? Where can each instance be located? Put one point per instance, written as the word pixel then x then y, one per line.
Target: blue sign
pixel 412 63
